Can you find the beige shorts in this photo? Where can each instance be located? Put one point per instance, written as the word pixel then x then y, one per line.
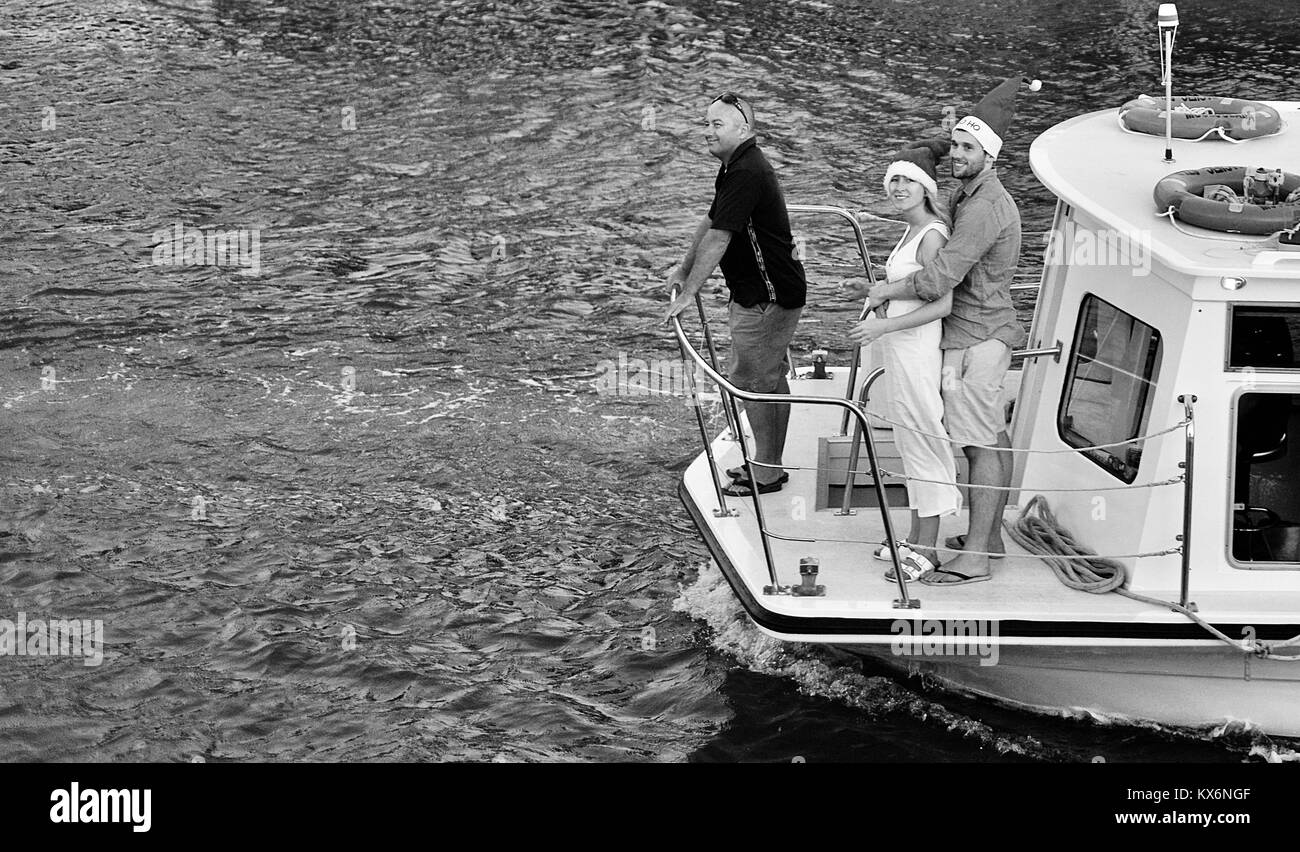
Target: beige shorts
pixel 971 385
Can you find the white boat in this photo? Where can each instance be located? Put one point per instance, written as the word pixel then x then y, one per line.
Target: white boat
pixel 1178 346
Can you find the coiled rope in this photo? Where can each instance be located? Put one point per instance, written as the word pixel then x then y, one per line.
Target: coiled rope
pixel 1037 531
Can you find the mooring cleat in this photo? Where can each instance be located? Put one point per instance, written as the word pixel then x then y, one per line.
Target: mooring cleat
pixel 819 365
pixel 808 576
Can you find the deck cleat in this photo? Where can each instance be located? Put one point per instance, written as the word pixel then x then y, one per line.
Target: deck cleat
pixel 819 365
pixel 808 575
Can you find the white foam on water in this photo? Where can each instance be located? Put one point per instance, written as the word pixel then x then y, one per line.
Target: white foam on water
pixel 827 673
pixel 821 671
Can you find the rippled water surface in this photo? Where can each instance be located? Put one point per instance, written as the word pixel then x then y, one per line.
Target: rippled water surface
pixel 366 504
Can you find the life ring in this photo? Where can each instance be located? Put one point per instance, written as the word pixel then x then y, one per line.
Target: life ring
pixel 1197 117
pixel 1183 191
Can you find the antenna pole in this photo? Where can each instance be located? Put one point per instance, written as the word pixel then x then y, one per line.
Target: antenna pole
pixel 1167 20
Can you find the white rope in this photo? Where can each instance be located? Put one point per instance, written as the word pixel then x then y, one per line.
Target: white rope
pixel 1216 129
pixel 1037 531
pixel 1242 239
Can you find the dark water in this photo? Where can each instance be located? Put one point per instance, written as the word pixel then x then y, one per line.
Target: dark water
pixel 365 504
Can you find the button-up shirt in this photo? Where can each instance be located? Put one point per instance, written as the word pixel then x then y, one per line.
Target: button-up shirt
pixel 977 265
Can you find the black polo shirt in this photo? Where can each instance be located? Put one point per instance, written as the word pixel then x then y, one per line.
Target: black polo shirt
pixel 759 263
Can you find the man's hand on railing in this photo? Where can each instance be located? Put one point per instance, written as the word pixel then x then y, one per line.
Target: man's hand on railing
pixel 877 295
pixel 676 280
pixel 682 301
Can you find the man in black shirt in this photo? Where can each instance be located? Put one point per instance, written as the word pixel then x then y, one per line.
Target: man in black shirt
pixel 747 231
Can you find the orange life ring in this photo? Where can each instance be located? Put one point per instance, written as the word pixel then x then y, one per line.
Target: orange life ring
pixel 1183 190
pixel 1201 116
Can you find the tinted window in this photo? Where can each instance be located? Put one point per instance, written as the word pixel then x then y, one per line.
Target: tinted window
pixel 1264 338
pixel 1109 386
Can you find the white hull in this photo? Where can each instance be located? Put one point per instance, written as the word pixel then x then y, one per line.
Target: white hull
pixel 1183 687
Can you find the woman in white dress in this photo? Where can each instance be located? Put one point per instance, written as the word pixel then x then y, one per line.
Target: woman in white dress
pixel 909 331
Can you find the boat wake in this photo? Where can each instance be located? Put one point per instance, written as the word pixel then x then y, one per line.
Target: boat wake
pixel 822 671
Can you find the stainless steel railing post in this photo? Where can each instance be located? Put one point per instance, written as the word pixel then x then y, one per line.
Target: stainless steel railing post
pixel 904 601
pixel 775 588
pixel 848 216
pixel 722 511
pixel 846 505
pixel 1186 537
pixel 713 358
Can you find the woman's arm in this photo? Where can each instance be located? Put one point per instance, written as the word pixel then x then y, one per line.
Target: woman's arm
pixel 929 312
pixel 872 328
pixel 926 252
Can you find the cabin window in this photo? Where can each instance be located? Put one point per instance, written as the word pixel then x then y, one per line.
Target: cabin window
pixel 1109 386
pixel 1263 338
pixel 1266 478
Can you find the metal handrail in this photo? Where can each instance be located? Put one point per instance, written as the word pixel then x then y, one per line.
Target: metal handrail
pixel 713 356
pixel 1186 537
pixel 847 503
pixel 732 393
pixel 871 277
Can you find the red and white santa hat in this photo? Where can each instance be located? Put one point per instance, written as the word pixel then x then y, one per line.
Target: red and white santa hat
pixel 917 161
pixel 991 117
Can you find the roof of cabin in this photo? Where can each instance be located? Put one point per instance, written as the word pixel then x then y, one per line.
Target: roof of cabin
pixel 1096 166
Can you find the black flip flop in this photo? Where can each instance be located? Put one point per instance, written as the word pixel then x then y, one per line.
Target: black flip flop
pixel 744 480
pixel 742 489
pixel 962 579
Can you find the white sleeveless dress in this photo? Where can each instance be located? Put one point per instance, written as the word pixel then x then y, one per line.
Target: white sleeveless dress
pixel 913 363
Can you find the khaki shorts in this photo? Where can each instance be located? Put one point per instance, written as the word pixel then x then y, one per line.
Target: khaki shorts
pixel 759 338
pixel 971 385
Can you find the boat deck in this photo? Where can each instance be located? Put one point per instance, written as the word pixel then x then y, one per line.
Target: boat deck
pixel 1022 588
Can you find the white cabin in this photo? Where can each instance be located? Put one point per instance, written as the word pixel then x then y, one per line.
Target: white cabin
pixel 1149 311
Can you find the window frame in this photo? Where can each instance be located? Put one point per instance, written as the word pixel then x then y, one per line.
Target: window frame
pixel 1072 438
pixel 1234 417
pixel 1227 339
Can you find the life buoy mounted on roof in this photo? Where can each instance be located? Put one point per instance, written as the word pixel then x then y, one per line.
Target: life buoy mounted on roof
pixel 1234 199
pixel 1201 117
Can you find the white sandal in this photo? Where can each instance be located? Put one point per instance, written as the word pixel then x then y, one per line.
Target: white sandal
pixel 882 552
pixel 915 566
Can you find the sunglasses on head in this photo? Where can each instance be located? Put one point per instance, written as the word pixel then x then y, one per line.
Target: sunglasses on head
pixel 734 100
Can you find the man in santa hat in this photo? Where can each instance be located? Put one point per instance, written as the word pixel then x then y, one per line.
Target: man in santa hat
pixel 977 266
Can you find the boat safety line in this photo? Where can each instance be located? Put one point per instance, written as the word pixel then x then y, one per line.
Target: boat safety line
pixel 1037 531
pixel 896 475
pixel 898 425
pixel 1173 551
pixel 1175 481
pixel 1213 131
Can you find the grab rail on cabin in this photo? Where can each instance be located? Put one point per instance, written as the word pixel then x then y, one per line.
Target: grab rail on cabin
pixel 1185 540
pixel 730 394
